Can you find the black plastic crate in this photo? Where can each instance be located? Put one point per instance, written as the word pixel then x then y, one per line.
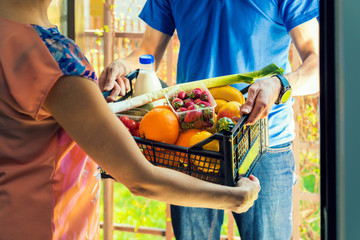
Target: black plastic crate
pixel 240 150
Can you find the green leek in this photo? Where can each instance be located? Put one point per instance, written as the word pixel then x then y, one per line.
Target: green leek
pixel 248 78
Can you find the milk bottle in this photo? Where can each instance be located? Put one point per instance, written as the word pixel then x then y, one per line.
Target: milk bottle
pixel 147 81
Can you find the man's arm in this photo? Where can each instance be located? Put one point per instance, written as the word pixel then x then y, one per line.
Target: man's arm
pixel 112 77
pixel 304 80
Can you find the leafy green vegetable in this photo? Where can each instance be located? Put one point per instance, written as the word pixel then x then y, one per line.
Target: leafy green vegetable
pixel 248 78
pixel 224 124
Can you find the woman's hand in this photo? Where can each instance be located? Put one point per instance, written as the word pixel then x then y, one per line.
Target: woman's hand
pixel 249 189
pixel 112 79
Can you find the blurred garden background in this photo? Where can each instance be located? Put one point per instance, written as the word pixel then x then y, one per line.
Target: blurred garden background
pixel 122 31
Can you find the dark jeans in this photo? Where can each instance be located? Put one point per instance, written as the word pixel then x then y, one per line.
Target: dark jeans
pixel 269 219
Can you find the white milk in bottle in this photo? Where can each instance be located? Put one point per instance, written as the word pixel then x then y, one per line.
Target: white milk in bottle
pixel 147 81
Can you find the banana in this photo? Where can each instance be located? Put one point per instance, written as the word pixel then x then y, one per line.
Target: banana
pixel 227 93
pixel 219 104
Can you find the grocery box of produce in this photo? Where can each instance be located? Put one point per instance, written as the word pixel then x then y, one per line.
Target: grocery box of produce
pixel 225 153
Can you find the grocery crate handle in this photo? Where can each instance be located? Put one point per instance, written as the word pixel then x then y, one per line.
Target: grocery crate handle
pixel 131 76
pixel 242 120
pixel 129 93
pixel 245 90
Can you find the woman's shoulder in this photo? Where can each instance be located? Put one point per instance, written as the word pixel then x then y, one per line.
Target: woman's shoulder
pixel 68 57
pixel 12 33
pixel 65 52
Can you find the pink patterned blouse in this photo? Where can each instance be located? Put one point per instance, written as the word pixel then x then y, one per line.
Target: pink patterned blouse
pixel 49 188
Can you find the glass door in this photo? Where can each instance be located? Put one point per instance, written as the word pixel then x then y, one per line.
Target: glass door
pixel 58 13
pixel 68 15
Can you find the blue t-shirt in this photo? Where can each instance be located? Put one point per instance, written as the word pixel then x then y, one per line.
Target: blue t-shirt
pixel 222 37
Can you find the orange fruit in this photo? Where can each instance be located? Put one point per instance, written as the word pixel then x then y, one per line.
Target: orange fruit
pixel 198 137
pixel 206 164
pixel 184 137
pixel 164 106
pixel 161 125
pixel 219 104
pixel 184 140
pixel 230 110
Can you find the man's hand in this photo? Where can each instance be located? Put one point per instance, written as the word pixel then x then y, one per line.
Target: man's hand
pixel 112 78
pixel 252 187
pixel 261 96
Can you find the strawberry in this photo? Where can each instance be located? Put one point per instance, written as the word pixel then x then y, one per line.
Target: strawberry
pixel 197 93
pixel 204 95
pixel 181 95
pixel 207 104
pixel 171 98
pixel 189 117
pixel 208 114
pixel 210 123
pixel 192 107
pixel 192 116
pixel 182 109
pixel 177 103
pixel 188 102
pixel 194 94
pixel 188 94
pixel 197 101
pixel 185 126
pixel 201 105
pixel 199 124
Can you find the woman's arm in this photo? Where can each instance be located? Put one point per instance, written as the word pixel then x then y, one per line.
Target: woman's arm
pixel 79 107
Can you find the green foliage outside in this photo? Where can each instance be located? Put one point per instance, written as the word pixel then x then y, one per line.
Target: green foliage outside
pixel 136 211
pixel 139 211
pixel 309 178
